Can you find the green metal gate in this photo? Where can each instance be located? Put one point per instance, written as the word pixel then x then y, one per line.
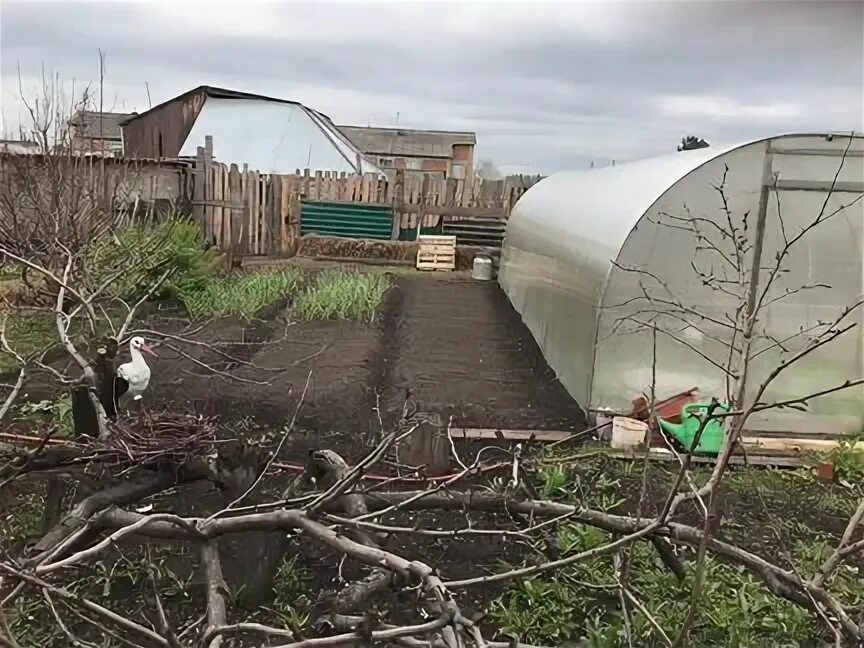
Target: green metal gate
pixel 349 220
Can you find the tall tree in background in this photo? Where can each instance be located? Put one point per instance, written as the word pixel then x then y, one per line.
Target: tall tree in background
pixel 690 143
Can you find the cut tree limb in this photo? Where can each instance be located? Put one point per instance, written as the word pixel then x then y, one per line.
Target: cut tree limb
pixel 90 606
pixel 216 612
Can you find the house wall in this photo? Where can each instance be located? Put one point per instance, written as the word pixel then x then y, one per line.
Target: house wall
pixel 97 145
pixel 464 154
pixel 161 132
pixel 438 153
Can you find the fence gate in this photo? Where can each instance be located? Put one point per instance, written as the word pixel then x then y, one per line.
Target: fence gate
pixel 349 220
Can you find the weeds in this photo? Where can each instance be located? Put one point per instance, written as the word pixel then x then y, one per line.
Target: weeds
pixel 582 602
pixel 59 411
pixel 27 332
pixel 289 589
pixel 24 520
pixel 239 295
pixel 338 294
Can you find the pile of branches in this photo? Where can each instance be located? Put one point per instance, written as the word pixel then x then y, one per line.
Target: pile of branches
pixel 163 439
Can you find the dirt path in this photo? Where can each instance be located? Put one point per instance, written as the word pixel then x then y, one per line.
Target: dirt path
pixel 462 347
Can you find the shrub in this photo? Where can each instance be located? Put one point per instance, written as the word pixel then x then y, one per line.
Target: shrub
pixel 339 294
pixel 136 258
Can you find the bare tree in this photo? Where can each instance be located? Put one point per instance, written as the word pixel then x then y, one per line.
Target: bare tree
pixel 691 142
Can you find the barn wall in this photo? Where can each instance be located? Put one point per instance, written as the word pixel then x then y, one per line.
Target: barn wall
pixel 168 125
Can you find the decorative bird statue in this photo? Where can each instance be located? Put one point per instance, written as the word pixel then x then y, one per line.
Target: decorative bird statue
pixel 135 373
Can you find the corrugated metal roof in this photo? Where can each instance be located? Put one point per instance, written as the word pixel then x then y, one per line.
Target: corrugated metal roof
pixel 218 93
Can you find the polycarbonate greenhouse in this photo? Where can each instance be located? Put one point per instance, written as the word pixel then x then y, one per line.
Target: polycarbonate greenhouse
pixel 596 261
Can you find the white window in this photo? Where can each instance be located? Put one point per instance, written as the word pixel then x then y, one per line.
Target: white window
pixel 457 171
pixel 414 164
pixel 385 162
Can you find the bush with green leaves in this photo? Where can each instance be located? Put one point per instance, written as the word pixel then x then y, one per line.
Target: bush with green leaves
pixel 242 295
pixel 58 411
pixel 341 294
pixel 133 261
pixel 581 602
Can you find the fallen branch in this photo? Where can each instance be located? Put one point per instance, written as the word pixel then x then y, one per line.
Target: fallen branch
pixel 354 638
pixel 216 613
pixel 90 606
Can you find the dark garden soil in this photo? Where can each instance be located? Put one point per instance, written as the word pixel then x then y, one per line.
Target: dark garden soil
pixel 456 344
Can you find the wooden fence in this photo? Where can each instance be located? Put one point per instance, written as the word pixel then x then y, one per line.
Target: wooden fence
pixel 245 212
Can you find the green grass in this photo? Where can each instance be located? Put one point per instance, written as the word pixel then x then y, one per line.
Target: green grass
pixel 27 332
pixel 240 295
pixel 338 294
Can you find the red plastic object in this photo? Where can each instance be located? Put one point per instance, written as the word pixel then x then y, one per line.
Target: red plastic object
pixel 825 471
pixel 668 409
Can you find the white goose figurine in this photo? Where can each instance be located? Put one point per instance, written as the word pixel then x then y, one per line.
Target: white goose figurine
pixel 136 374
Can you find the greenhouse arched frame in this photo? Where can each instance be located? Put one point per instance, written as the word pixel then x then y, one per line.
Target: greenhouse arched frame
pixel 627 275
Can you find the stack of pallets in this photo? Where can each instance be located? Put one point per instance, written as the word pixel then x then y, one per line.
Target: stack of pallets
pixel 436 253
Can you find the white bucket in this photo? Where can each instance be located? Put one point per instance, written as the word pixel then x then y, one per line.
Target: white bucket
pixel 627 432
pixel 482 270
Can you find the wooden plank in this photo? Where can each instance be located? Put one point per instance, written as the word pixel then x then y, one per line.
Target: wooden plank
pixel 398 199
pixel 509 435
pixel 218 203
pixel 285 185
pixel 227 220
pixel 437 239
pixel 466 213
pixel 218 208
pixel 209 210
pixel 235 195
pixel 247 207
pixel 662 454
pixel 261 207
pixel 426 265
pixel 795 445
pixel 295 209
pixel 318 185
pixel 198 213
pixel 266 215
pixel 430 248
pixel 382 187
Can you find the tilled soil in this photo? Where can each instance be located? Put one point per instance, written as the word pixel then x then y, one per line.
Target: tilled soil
pixel 456 344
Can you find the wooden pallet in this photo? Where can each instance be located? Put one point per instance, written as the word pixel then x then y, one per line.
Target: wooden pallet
pixel 436 253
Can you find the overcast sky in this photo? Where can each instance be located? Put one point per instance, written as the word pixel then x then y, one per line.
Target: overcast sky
pixel 545 85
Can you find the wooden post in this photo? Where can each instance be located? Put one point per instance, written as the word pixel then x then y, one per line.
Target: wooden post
pixel 274 212
pixel 209 194
pixel 398 200
pixel 253 189
pixel 235 196
pixel 295 210
pixel 198 191
pixel 286 184
pixel 421 210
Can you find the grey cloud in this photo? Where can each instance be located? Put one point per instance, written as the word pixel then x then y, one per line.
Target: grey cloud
pixel 539 93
